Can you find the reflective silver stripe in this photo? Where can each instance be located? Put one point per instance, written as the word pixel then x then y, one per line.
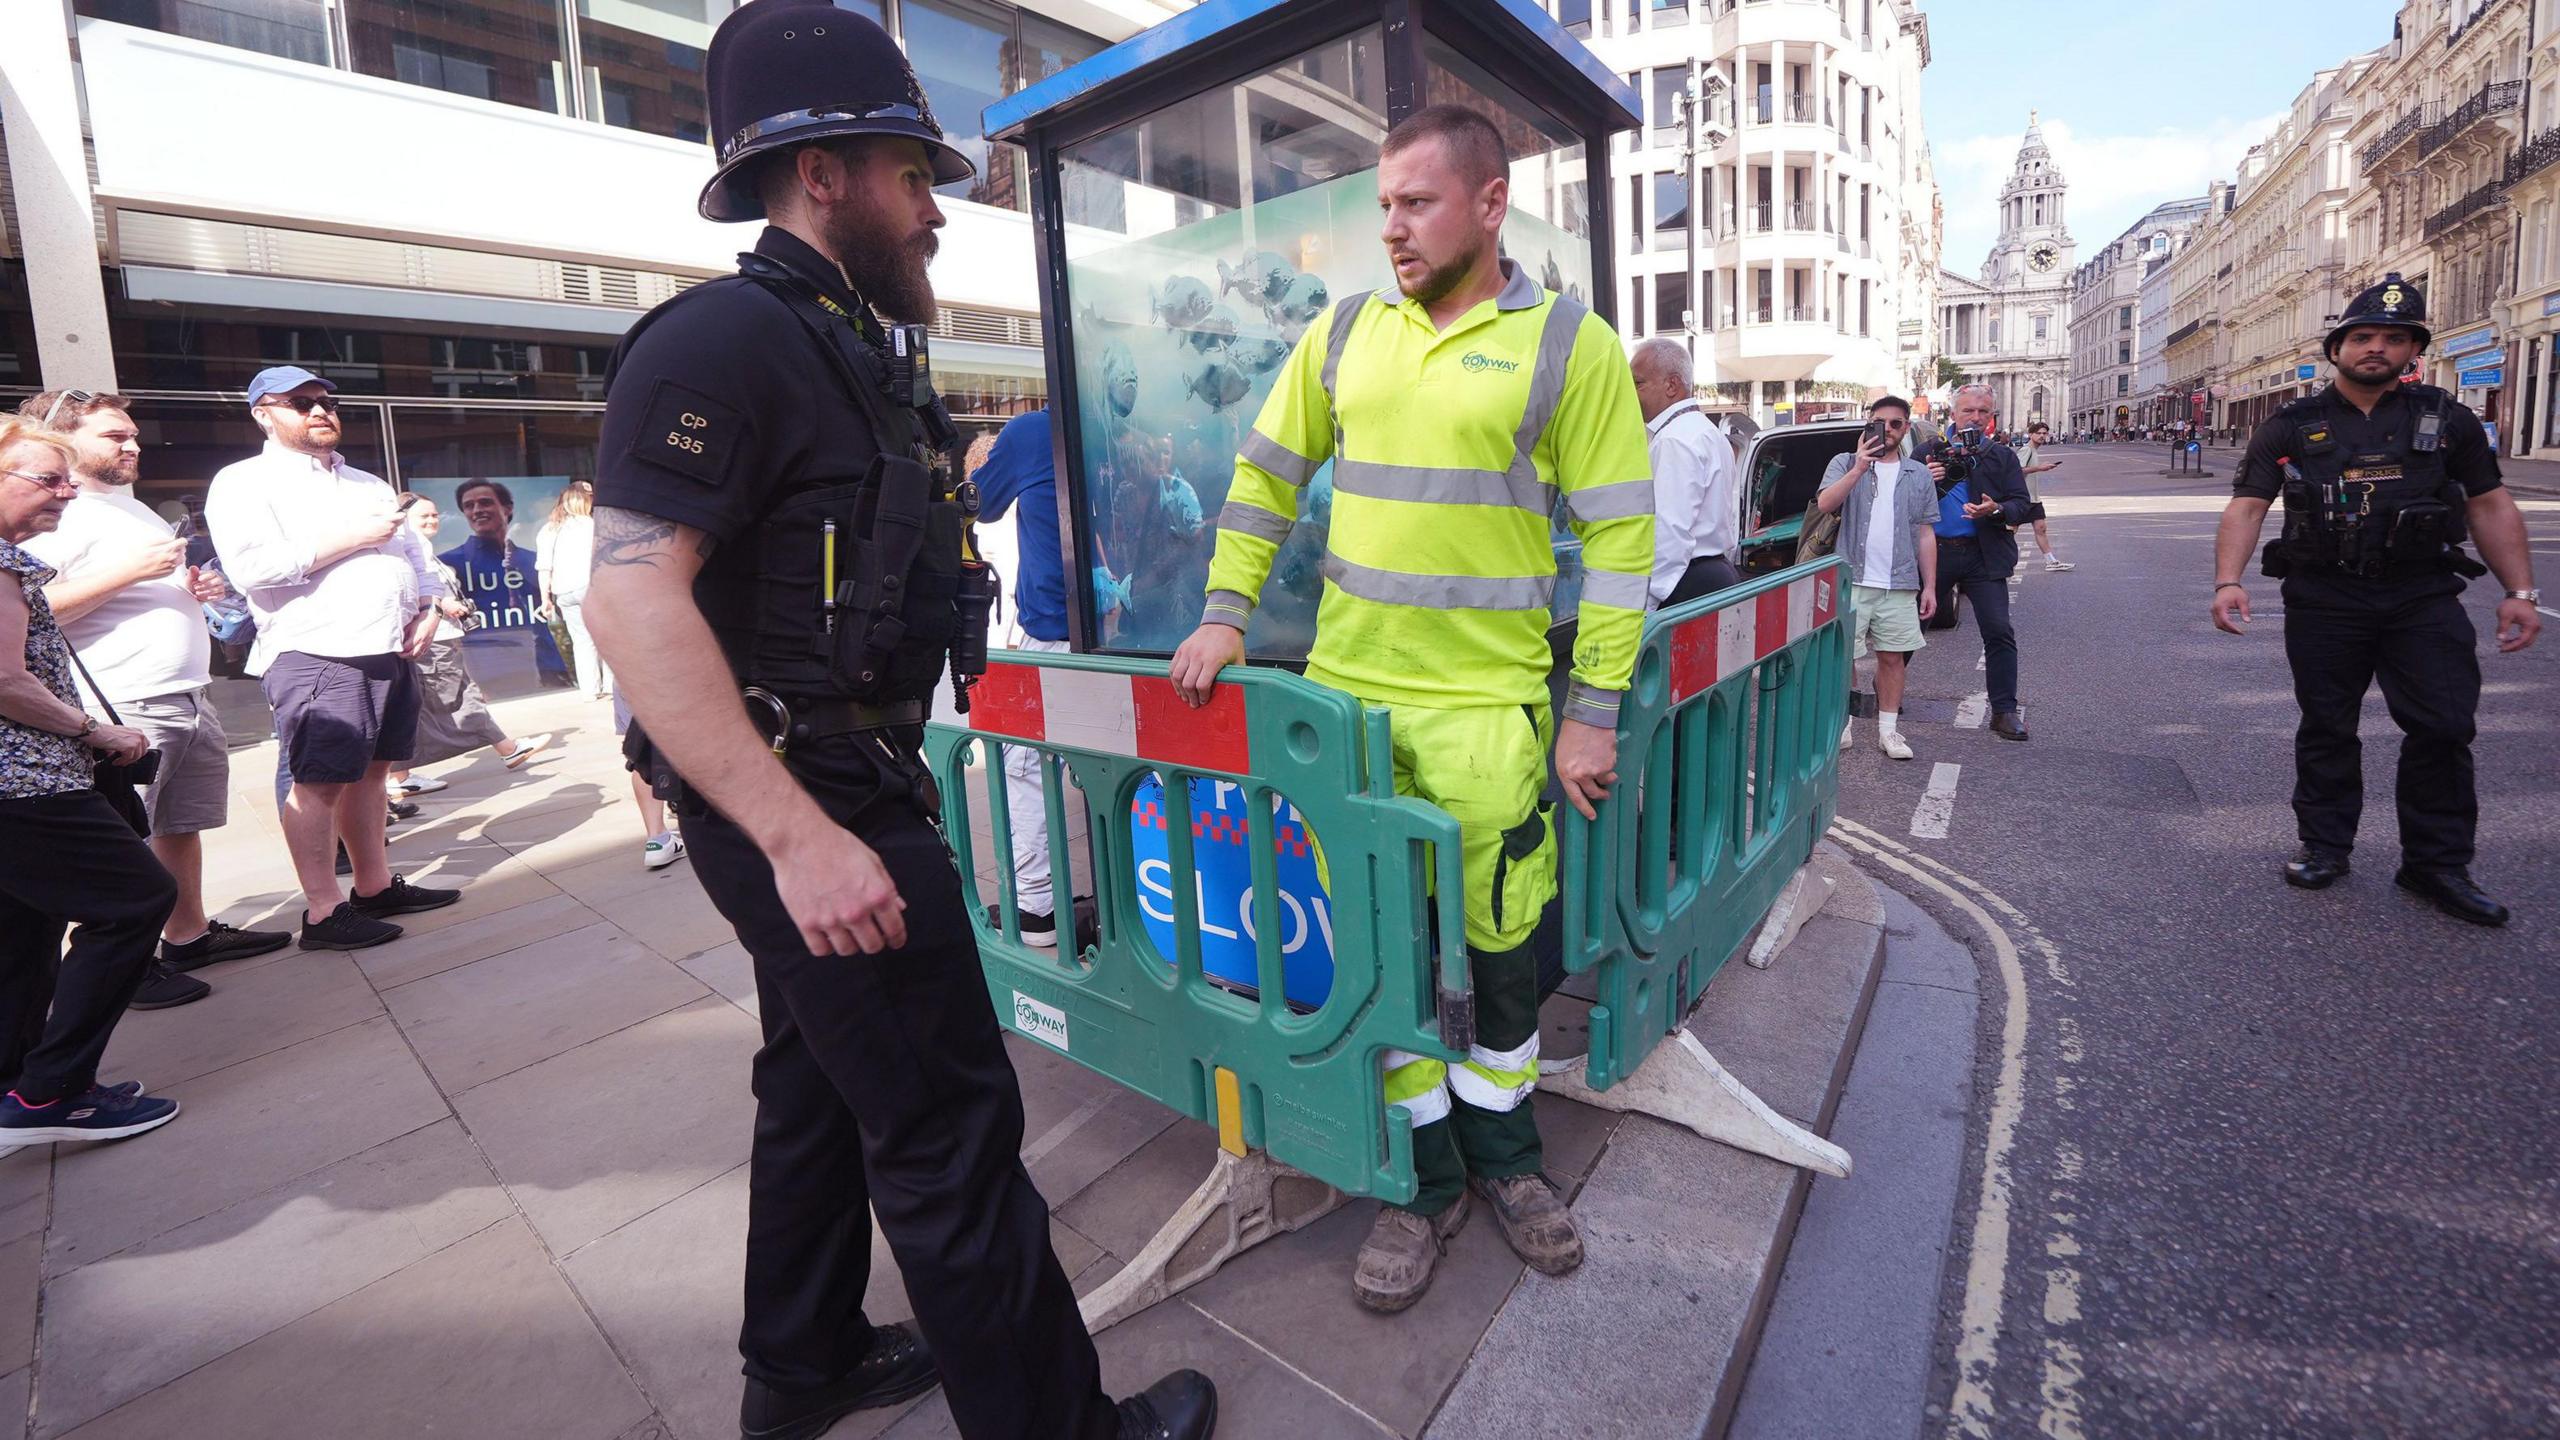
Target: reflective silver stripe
pixel 1444 592
pixel 1255 521
pixel 1608 587
pixel 1344 310
pixel 1228 602
pixel 1619 501
pixel 1432 485
pixel 1290 466
pixel 1591 706
pixel 1546 381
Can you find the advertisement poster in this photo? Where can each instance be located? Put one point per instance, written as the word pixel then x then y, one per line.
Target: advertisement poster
pixel 487 541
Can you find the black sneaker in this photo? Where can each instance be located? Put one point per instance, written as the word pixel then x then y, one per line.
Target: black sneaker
pixel 402 809
pixel 166 989
pixel 1040 930
pixel 347 928
pixel 99 1113
pixel 898 1368
pixel 402 898
pixel 221 942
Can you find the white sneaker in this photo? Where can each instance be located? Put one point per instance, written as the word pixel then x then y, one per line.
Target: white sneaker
pixel 1892 744
pixel 527 748
pixel 662 850
pixel 1848 734
pixel 2052 564
pixel 414 785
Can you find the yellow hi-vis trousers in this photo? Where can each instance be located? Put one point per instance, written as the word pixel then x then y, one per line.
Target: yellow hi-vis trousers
pixel 1487 766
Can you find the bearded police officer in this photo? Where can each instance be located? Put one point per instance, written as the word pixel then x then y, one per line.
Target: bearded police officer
pixel 2381 481
pixel 779 581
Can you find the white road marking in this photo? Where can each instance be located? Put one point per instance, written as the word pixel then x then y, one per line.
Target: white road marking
pixel 1987 1266
pixel 1973 710
pixel 2547 610
pixel 1938 803
pixel 1981 662
pixel 1056 1135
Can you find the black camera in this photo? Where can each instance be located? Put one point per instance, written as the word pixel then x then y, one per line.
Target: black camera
pixel 1955 456
pixel 910 367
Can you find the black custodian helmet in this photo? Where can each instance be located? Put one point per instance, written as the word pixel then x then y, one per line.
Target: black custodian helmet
pixel 785 72
pixel 2393 302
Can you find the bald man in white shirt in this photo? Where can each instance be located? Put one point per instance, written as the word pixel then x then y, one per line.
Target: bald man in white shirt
pixel 1696 518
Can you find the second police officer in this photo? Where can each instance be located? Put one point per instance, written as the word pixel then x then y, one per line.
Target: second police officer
pixel 2381 481
pixel 779 581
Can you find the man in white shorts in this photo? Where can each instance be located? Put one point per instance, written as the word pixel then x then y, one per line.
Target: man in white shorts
pixel 1886 505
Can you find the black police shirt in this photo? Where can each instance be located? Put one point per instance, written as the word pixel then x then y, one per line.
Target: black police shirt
pixel 2467 456
pixel 721 405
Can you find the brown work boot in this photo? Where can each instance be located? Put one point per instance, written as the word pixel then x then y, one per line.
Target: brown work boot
pixel 1402 1250
pixel 1534 1221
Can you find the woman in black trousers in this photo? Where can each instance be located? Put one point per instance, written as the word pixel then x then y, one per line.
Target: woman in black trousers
pixel 67 857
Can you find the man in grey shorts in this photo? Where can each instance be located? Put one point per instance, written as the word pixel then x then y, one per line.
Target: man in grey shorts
pixel 132 610
pixel 1885 504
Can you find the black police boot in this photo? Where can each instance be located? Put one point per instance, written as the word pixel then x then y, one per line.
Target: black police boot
pixel 2314 869
pixel 1181 1406
pixel 899 1367
pixel 2452 892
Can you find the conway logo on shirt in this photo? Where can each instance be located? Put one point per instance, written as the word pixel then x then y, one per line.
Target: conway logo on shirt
pixel 1478 360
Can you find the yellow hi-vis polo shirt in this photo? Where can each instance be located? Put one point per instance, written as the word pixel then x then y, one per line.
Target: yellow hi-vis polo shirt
pixel 1450 449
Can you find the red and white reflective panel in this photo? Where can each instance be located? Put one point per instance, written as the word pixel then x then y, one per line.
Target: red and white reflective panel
pixel 1138 716
pixel 1724 642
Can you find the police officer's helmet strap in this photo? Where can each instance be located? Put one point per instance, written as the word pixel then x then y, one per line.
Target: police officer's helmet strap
pixel 820 118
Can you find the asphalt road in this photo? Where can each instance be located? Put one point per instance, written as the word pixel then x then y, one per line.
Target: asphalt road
pixel 2275 1163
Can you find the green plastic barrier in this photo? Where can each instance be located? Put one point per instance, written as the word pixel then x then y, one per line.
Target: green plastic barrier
pixel 1728 755
pixel 1308 1088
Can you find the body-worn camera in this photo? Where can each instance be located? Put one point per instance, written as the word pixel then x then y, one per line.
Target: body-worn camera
pixel 910 367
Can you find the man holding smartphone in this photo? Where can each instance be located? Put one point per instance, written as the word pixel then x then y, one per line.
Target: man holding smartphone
pixel 2038 435
pixel 1885 504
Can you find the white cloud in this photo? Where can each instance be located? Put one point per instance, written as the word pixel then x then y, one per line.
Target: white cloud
pixel 2114 179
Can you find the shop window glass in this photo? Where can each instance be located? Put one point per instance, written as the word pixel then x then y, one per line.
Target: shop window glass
pixel 189 347
pixel 495 473
pixel 508 51
pixel 964 55
pixel 1239 230
pixel 294 29
pixel 644 61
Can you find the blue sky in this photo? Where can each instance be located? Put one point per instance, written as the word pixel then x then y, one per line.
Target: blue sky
pixel 2140 102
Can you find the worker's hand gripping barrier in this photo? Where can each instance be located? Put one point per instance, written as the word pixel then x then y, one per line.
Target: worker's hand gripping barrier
pixel 1727 763
pixel 1304 1084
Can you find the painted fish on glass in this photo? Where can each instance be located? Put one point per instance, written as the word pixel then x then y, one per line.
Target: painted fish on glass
pixel 1299 307
pixel 1182 303
pixel 1218 384
pixel 1216 330
pixel 1263 277
pixel 1259 356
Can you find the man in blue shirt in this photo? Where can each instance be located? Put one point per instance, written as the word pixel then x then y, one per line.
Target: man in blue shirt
pixel 1021 475
pixel 1977 551
pixel 498 575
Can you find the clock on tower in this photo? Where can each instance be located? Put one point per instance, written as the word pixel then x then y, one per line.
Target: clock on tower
pixel 2043 256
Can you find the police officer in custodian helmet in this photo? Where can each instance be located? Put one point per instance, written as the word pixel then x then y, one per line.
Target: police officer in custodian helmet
pixel 780 580
pixel 2382 481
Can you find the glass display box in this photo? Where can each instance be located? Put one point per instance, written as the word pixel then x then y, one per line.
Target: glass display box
pixel 1197 204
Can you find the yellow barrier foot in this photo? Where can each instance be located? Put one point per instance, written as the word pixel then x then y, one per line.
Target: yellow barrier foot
pixel 1681 1083
pixel 1806 893
pixel 1246 1200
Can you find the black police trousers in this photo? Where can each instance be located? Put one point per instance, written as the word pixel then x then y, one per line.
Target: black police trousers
pixel 883 1087
pixel 2341 634
pixel 1960 567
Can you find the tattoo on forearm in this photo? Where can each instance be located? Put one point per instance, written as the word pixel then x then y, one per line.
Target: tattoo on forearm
pixel 626 537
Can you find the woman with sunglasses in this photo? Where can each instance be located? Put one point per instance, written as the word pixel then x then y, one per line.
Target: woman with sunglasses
pixel 73 859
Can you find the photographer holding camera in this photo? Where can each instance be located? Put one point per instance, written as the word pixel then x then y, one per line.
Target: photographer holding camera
pixel 1982 499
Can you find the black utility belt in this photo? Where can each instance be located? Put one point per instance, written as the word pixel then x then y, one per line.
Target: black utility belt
pixel 788 722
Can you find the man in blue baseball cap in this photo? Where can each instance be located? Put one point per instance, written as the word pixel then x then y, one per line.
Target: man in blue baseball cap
pixel 344 595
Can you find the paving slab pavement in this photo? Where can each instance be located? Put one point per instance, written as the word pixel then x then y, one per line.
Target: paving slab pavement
pixel 488 1180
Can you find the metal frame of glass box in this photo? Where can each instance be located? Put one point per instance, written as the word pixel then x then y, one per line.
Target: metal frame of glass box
pixel 1221 45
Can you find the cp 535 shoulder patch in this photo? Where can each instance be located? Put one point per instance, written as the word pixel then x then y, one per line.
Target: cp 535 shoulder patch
pixel 688 432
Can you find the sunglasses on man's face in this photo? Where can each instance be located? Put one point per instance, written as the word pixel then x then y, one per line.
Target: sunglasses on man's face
pixel 305 404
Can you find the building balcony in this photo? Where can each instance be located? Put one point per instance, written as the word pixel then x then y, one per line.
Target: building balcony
pixel 2534 156
pixel 2493 99
pixel 2470 207
pixel 2470 22
pixel 2401 132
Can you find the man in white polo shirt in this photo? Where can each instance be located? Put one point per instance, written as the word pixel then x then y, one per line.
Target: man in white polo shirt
pixel 344 595
pixel 133 612
pixel 1886 506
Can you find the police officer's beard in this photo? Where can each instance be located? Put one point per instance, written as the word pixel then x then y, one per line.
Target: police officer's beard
pixel 886 265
